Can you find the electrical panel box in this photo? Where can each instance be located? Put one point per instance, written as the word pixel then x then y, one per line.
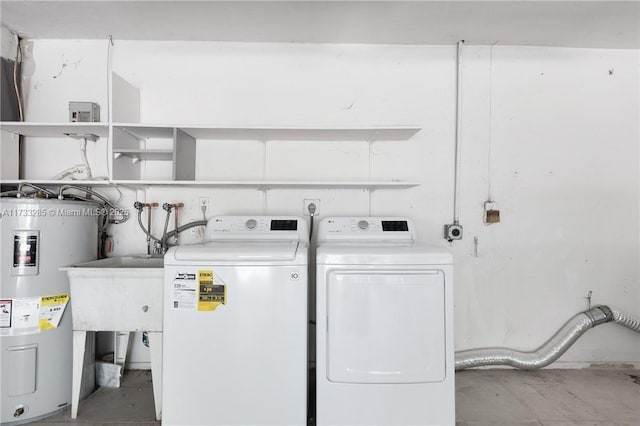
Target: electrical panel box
pixel 84 112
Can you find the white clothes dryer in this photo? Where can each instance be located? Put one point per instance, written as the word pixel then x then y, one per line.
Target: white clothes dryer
pixel 235 325
pixel 384 325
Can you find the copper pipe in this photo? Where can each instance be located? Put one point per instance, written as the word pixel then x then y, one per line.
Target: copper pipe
pixel 175 216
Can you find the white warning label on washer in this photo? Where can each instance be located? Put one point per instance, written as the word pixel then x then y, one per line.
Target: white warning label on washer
pixel 185 291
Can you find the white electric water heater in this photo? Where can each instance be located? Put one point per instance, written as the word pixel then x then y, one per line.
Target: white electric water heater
pixel 37 237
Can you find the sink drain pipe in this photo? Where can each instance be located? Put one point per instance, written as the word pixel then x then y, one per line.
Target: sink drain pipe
pixel 553 348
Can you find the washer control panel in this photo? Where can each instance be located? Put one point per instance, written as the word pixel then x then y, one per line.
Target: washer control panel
pixel 366 228
pixel 257 227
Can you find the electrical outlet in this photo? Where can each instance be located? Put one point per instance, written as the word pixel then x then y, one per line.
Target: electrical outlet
pixel 307 203
pixel 203 201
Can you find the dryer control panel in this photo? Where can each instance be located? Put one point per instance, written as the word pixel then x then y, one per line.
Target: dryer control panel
pixel 257 228
pixel 366 228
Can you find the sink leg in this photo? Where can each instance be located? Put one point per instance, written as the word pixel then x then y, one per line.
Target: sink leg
pixel 155 352
pixel 79 342
pixel 120 347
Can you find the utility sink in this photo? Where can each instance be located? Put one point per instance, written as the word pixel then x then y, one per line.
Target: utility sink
pixel 117 293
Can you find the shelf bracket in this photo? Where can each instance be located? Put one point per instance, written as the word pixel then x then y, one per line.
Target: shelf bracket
pixel 87 136
pixel 130 133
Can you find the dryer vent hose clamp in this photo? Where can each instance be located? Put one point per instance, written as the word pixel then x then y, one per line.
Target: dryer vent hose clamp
pixel 599 315
pixel 554 348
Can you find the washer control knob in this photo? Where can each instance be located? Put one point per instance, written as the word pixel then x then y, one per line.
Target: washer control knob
pixel 363 224
pixel 251 224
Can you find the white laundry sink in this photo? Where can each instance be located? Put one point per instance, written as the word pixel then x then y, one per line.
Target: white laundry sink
pixel 117 293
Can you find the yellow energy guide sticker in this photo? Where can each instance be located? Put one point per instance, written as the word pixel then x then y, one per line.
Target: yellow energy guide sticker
pixel 210 295
pixel 51 310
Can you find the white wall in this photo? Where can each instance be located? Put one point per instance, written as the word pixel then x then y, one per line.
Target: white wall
pixel 555 129
pixel 8 142
pixel 72 70
pixel 562 125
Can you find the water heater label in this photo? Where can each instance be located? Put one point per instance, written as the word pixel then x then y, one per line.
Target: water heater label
pixel 51 310
pixel 25 251
pixel 25 315
pixel 31 315
pixel 5 313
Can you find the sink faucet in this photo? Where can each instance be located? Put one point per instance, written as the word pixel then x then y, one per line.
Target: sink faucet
pixel 168 208
pixel 140 207
pixel 158 249
pixel 158 246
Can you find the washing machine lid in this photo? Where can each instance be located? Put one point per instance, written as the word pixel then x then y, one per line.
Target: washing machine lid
pixel 268 252
pixel 378 253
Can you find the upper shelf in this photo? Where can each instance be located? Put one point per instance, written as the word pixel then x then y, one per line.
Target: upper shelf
pixel 257 184
pixel 55 129
pixel 312 133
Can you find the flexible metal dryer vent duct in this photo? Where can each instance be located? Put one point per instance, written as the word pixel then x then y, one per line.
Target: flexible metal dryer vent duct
pixel 553 349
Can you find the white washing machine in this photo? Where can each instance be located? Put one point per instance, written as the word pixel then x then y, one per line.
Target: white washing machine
pixel 384 325
pixel 235 325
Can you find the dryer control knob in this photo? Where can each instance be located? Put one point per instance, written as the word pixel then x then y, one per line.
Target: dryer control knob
pixel 251 224
pixel 363 224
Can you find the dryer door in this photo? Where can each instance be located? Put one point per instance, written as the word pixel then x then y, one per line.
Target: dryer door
pixel 385 326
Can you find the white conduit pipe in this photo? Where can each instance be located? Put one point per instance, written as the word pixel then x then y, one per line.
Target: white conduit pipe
pixel 553 348
pixel 457 147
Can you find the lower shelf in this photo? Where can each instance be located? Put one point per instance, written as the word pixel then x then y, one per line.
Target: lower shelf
pixel 145 154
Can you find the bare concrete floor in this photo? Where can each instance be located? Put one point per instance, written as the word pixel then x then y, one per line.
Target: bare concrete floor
pixel 548 397
pixel 130 404
pixel 483 398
